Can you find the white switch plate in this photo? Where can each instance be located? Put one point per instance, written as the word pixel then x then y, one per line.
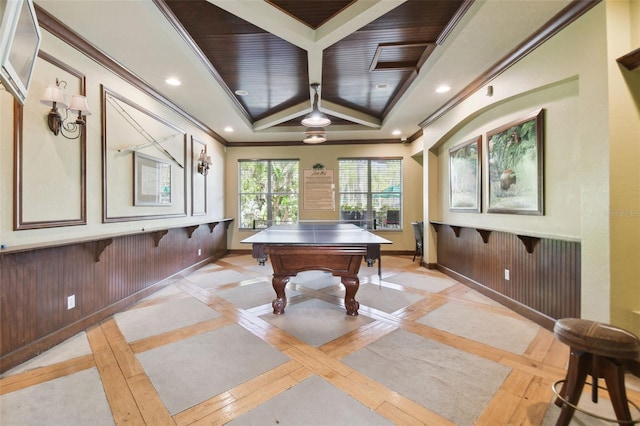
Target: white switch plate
pixel 199 252
pixel 506 274
pixel 71 302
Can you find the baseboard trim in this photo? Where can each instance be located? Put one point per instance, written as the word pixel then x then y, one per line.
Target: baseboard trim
pixel 527 312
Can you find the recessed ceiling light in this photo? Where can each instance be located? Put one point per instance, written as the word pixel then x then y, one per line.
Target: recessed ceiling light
pixel 228 129
pixel 172 81
pixel 443 89
pixel 396 132
pixel 241 92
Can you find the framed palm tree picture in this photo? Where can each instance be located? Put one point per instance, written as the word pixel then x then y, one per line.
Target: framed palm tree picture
pixel 514 165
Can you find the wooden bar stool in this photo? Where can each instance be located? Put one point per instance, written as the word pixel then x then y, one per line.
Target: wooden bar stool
pixel 601 351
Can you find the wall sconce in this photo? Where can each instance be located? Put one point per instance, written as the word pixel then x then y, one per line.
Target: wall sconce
pixel 204 161
pixel 54 97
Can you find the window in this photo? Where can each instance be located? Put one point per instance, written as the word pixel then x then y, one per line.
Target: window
pixel 268 192
pixel 371 190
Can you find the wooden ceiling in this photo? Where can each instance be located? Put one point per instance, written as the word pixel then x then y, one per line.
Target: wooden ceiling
pixel 363 74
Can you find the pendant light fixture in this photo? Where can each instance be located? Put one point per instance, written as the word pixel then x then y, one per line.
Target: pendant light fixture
pixel 315 118
pixel 315 135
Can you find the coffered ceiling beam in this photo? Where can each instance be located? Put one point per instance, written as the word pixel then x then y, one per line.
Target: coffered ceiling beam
pixel 282 116
pixel 350 114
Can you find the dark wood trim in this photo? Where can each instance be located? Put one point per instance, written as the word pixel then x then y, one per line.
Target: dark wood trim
pixel 384 252
pixel 484 234
pixel 454 21
pixel 157 236
pixel 66 34
pixel 529 242
pixel 97 247
pixel 18 142
pixel 631 60
pixel 556 24
pixel 190 230
pixel 329 142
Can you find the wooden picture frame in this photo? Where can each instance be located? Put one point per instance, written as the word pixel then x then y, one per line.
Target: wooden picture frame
pixel 515 166
pixel 152 180
pixel 465 176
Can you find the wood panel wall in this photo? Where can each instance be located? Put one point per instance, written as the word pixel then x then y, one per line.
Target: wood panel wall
pixel 105 278
pixel 543 285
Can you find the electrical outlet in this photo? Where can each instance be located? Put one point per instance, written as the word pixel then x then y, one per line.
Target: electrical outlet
pixel 506 274
pixel 71 302
pixel 199 252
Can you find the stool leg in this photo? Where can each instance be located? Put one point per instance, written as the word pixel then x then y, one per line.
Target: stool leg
pixel 613 373
pixel 579 367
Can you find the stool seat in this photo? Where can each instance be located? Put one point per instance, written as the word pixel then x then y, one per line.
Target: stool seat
pixel 601 351
pixel 597 338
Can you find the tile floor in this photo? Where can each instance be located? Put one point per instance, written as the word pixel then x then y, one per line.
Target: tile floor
pixel 208 350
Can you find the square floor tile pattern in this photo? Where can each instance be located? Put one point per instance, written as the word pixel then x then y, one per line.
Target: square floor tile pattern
pixel 74 400
pixel 429 283
pixel 76 346
pixel 455 384
pixel 316 322
pixel 218 278
pixel 506 332
pixel 416 362
pixel 313 402
pixel 136 324
pixel 253 295
pixel 383 298
pixel 192 370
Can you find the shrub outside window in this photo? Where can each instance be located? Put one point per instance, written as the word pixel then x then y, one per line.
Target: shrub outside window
pixel 371 192
pixel 268 192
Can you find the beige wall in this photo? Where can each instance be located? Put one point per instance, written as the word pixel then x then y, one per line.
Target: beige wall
pixel 623 23
pixel 328 156
pixel 51 162
pixel 591 154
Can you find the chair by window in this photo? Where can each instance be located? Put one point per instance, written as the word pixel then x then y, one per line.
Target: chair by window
pixel 393 218
pixel 418 232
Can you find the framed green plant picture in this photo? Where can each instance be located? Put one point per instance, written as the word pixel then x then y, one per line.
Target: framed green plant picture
pixel 514 165
pixel 464 176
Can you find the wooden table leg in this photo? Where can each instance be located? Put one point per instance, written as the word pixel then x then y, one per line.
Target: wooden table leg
pixel 280 302
pixel 351 285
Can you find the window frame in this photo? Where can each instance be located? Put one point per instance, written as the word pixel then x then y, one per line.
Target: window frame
pixel 369 212
pixel 269 193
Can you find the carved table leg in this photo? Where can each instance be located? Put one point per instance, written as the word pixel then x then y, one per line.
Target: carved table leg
pixel 351 285
pixel 280 302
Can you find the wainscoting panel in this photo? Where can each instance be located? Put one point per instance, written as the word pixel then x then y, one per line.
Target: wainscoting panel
pixel 543 283
pixel 104 275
